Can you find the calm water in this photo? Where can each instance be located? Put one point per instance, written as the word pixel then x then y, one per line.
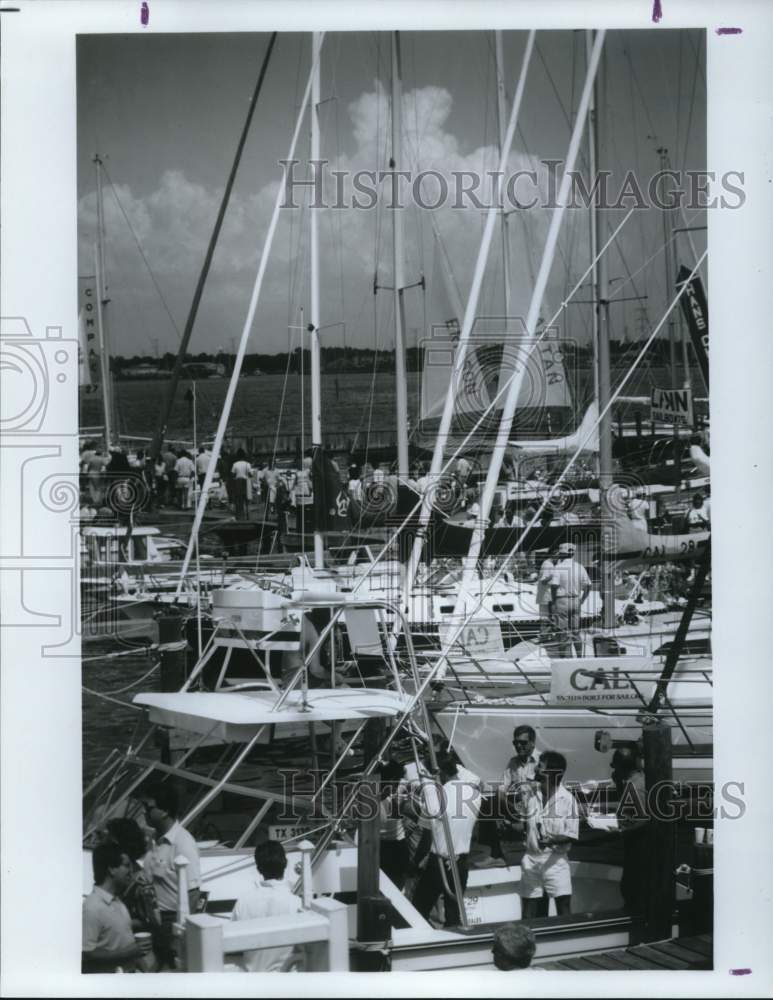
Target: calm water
pixel 353 403
pixel 107 725
pixel 264 405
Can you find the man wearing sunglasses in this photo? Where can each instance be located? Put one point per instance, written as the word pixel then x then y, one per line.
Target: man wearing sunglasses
pixel 519 778
pixel 523 765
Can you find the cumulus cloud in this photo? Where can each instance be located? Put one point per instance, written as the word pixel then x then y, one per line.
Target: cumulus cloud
pixel 174 222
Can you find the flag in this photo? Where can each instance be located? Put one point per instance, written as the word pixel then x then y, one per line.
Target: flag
pixel 332 502
pixel 696 312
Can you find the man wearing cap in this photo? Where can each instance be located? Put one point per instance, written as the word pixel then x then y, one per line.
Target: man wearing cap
pixel 572 586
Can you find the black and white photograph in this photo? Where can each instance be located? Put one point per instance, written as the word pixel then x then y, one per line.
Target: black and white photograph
pixel 381 619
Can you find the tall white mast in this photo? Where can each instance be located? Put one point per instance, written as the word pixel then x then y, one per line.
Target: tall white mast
pixel 601 311
pixel 502 123
pixel 594 237
pixel 465 332
pixel 508 411
pixel 316 369
pixel 104 343
pixel 397 258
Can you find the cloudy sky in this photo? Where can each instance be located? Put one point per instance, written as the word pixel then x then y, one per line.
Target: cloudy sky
pixel 165 113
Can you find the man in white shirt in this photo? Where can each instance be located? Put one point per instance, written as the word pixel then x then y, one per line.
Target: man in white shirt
pixel 270 896
pixel 202 465
pixel 459 798
pixel 552 825
pixel 545 595
pixel 185 470
pixel 171 840
pixel 572 586
pixel 522 766
pixel 241 471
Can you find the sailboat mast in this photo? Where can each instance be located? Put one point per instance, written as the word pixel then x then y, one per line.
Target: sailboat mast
pixel 598 227
pixel 166 406
pixel 397 258
pixel 104 344
pixel 663 154
pixel 238 360
pixel 502 127
pixel 316 368
pixel 532 317
pixel 465 332
pixel 594 237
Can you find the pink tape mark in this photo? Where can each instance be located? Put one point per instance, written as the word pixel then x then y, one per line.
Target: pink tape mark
pixel 657 11
pixel 740 972
pixel 729 31
pixel 144 14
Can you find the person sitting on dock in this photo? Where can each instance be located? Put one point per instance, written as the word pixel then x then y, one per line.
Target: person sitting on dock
pixel 270 896
pixel 698 516
pixel 161 809
pixel 108 937
pixel 572 586
pixel 459 799
pixel 513 947
pixel 552 825
pixel 637 508
pixel 513 512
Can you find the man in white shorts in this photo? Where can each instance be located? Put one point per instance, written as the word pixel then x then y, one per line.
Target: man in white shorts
pixel 552 826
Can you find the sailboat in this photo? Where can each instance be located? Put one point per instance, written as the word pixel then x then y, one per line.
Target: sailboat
pixel 238 713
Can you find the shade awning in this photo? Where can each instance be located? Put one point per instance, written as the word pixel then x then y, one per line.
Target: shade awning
pixel 235 715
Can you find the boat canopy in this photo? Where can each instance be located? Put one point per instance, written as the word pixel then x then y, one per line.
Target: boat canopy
pixel 234 716
pixel 119 531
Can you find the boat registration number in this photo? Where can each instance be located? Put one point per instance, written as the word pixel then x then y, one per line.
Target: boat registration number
pixel 473 906
pixel 286 832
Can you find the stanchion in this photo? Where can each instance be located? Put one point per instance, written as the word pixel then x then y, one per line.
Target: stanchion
pixel 372 909
pixel 661 857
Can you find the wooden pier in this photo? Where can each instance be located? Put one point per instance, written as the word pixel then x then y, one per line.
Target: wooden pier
pixel 677 954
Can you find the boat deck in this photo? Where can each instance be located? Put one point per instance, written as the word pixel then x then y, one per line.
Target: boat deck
pixel 686 953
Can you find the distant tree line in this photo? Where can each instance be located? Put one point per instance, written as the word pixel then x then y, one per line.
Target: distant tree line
pixel 341 359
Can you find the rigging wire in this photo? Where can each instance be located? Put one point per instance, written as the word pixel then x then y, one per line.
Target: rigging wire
pixel 142 255
pixel 683 160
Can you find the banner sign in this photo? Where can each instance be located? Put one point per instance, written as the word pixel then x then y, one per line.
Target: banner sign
pixel 696 312
pixel 332 501
pixel 479 637
pixel 672 406
pixel 89 366
pixel 601 682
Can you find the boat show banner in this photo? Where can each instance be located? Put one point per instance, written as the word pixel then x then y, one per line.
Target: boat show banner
pixel 672 406
pixel 89 367
pixel 601 682
pixel 696 311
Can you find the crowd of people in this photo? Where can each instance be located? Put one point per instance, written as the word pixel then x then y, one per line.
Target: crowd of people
pixel 531 805
pixel 427 831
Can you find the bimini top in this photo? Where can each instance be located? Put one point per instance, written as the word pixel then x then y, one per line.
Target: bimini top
pixel 120 530
pixel 234 716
